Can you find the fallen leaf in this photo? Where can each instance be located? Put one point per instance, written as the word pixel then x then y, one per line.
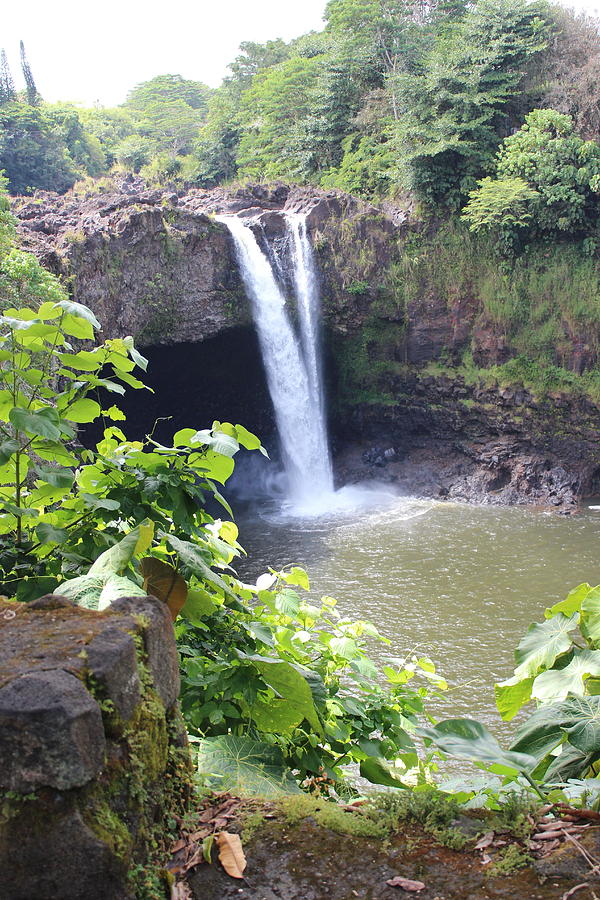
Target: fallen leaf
pixel 181 891
pixel 162 581
pixel 231 855
pixel 485 841
pixel 405 883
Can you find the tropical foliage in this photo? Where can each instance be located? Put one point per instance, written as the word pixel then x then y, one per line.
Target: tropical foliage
pixel 558 746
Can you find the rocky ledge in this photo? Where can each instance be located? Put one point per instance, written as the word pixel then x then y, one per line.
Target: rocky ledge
pixel 442 437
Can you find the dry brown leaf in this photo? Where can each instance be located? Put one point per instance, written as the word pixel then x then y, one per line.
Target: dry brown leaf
pixel 231 855
pixel 485 841
pixel 181 891
pixel 162 581
pixel 406 884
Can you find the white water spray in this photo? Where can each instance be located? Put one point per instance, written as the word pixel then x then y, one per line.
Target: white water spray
pixel 292 366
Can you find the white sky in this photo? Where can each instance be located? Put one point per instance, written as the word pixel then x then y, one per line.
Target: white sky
pixel 96 51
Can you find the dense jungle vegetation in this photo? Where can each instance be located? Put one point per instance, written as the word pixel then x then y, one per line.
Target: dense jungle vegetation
pixel 391 97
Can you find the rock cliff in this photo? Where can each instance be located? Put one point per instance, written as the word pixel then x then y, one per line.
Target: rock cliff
pixel 155 264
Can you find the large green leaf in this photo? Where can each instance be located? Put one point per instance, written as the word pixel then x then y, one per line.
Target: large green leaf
pixel 469 739
pixel 116 559
pixel 36 423
pixel 246 766
pixel 289 684
pixel 118 586
pixel 79 310
pixel 580 717
pixel 590 616
pixel 7 449
pixel 571 603
pixel 511 695
pixel 557 684
pixel 378 770
pixel 57 477
pixel 543 643
pixel 197 558
pixel 82 411
pixel 84 590
pixel 540 734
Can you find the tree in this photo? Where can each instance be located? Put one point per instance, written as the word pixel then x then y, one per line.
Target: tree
pixel 7 85
pixel 32 153
pixel 84 149
pixel 501 206
pixel 214 158
pixel 256 57
pixel 554 178
pixel 169 89
pixel 454 108
pixel 33 98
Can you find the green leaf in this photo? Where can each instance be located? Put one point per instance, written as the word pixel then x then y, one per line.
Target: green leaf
pixel 33 588
pixel 195 558
pixel 468 739
pixel 287 602
pixel 7 449
pixel 115 560
pixel 590 616
pixel 245 766
pixel 82 411
pixel 511 695
pixel 289 684
pixel 50 534
pixel 221 443
pixel 543 643
pixel 556 684
pixel 198 606
pixel 580 717
pixel 37 423
pixel 378 770
pixel 57 477
pixel 84 590
pixel 275 716
pixel 344 646
pixel 114 413
pixel 539 735
pixel 296 576
pixel 77 327
pixel 572 602
pixel 79 310
pixel 118 586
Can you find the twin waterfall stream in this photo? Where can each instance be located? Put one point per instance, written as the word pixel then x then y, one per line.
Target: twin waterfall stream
pixel 291 354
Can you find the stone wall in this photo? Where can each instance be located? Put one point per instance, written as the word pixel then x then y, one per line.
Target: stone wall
pixel 95 761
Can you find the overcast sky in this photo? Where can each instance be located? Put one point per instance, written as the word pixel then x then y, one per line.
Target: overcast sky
pixel 96 51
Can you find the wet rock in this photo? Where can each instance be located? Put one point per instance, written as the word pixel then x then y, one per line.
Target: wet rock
pixel 157 630
pixel 51 733
pixel 112 662
pixel 60 859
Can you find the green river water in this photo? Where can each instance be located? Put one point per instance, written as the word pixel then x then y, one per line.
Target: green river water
pixel 457 582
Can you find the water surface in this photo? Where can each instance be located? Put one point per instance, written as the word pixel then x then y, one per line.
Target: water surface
pixel 460 583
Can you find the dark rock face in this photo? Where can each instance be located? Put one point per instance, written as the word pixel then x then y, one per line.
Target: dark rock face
pixel 162 655
pixel 443 438
pixel 95 761
pixel 51 733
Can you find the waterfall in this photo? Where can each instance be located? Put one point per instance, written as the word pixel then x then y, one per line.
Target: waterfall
pixel 292 364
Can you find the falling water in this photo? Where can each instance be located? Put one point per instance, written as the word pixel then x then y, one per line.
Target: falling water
pixel 292 365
